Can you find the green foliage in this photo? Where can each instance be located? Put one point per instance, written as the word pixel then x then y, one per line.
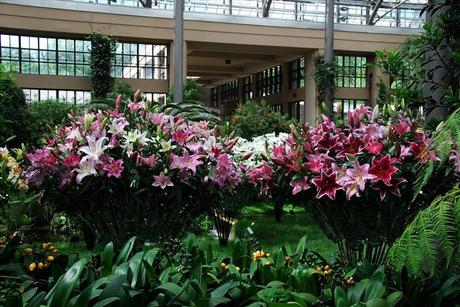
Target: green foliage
pixel 324 77
pixel 369 292
pixel 102 54
pixel 430 244
pixel 14 117
pixel 441 38
pixel 123 88
pixel 255 118
pixel 447 134
pixel 192 111
pixel 192 90
pixel 44 117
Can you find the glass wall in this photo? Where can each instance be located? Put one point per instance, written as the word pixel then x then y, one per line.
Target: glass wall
pixel 45 56
pixel 69 96
pixel 269 81
pixel 71 57
pixel 230 91
pixel 351 71
pixel 159 98
pixel 247 88
pixel 297 74
pixel 343 106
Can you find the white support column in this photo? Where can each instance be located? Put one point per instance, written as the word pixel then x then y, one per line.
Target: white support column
pixel 178 50
pixel 310 105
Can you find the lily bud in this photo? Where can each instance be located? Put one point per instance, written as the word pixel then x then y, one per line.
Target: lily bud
pixel 88 121
pixel 137 95
pixel 168 111
pixel 118 102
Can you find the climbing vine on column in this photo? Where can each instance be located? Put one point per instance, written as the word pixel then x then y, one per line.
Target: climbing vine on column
pixel 102 56
pixel 324 77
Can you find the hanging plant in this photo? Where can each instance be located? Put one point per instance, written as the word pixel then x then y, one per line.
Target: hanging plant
pixel 102 55
pixel 324 77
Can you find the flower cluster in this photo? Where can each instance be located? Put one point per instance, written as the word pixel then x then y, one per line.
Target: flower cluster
pixel 11 170
pixel 364 153
pixel 134 143
pixel 252 152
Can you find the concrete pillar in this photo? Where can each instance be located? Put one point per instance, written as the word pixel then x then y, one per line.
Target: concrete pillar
pixel 179 74
pixel 285 86
pixel 310 105
pixel 171 62
pixel 374 77
pixel 240 91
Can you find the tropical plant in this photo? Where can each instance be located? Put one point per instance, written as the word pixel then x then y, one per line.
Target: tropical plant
pixel 193 111
pixel 430 244
pixel 440 37
pixel 325 79
pixel 192 91
pixel 103 165
pixel 102 55
pixel 254 118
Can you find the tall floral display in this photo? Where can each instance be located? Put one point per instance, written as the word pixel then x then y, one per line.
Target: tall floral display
pixel 357 178
pixel 132 171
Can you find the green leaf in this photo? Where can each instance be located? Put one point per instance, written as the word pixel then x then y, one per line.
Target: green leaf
pixel 106 301
pixel 376 302
pixel 340 297
pixel 394 298
pixel 175 290
pixel 113 287
pixel 125 251
pixel 222 290
pixel 107 259
pixel 60 293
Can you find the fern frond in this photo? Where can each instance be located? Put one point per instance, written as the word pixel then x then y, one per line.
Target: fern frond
pixel 443 138
pixel 429 245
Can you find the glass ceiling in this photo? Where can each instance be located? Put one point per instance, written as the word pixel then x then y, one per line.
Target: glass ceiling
pixel 396 13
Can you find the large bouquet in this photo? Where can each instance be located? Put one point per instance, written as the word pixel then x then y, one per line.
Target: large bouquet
pixel 131 170
pixel 357 177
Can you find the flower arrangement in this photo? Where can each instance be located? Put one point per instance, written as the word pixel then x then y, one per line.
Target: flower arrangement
pixel 137 150
pixel 364 155
pixel 252 152
pixel 357 177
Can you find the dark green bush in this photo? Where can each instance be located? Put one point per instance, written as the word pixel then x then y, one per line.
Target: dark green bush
pixel 44 117
pixel 13 111
pixel 192 91
pixel 123 88
pixel 255 118
pixel 102 54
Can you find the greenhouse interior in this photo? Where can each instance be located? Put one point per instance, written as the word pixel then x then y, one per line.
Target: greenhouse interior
pixel 261 153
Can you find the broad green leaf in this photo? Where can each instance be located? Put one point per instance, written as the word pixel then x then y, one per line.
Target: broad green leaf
pixel 60 293
pixel 107 259
pixel 377 302
pixel 394 298
pixel 125 251
pixel 106 301
pixel 175 290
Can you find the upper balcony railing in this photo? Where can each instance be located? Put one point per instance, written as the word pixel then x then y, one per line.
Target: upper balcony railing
pixel 398 13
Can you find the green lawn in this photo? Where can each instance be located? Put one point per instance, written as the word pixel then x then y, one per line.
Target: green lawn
pixel 295 223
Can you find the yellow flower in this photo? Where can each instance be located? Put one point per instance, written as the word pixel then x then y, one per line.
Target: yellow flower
pixel 28 251
pixel 50 258
pixel 32 266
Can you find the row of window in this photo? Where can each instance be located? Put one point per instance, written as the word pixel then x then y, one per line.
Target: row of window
pixel 75 96
pixel 351 72
pixel 69 96
pixel 269 81
pixel 71 57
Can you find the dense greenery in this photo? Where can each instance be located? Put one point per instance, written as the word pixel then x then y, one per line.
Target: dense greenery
pixel 254 118
pixel 102 54
pixel 13 111
pixel 325 79
pixel 192 91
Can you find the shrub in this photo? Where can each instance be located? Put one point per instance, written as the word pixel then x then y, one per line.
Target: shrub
pixel 44 117
pixel 123 88
pixel 191 91
pixel 14 117
pixel 255 118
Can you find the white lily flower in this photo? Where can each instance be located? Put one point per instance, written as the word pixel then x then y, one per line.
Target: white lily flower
pixel 75 135
pixel 95 147
pixel 87 168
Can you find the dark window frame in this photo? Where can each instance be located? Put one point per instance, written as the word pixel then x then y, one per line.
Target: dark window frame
pixel 351 71
pixel 297 73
